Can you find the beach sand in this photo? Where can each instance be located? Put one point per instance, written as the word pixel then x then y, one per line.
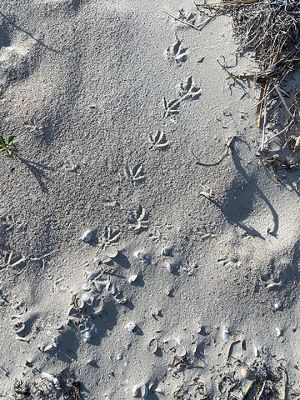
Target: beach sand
pixel 113 103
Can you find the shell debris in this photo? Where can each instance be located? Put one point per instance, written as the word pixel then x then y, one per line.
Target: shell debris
pixel 153 345
pixel 132 278
pixel 131 326
pixel 226 333
pixel 87 236
pixel 140 391
pixel 19 327
pixel 278 332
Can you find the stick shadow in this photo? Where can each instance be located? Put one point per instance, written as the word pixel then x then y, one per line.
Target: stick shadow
pixel 240 199
pixel 38 171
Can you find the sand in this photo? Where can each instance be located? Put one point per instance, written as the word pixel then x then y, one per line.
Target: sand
pixel 87 88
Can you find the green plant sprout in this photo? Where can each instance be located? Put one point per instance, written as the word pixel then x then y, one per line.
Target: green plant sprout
pixel 6 146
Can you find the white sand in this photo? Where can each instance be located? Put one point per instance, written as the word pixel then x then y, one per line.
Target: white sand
pixel 82 86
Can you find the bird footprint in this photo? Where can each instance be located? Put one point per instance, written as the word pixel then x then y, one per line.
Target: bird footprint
pixel 187 90
pixel 158 140
pixel 135 174
pixel 139 220
pixel 177 54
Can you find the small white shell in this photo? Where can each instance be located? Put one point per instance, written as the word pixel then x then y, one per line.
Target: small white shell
pixel 131 326
pixel 278 332
pixel 140 391
pixel 112 252
pixel 181 351
pixel 277 306
pixel 169 267
pixel 153 345
pixel 200 329
pixel 132 278
pixel 50 378
pixel 87 236
pixel 120 299
pixel 78 303
pixel 159 390
pixel 226 334
pixel 19 327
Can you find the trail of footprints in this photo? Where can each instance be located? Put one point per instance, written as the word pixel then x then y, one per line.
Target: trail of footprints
pixel 188 90
pixel 96 292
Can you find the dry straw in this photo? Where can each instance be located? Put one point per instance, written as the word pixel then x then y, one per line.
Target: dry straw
pixel 270 29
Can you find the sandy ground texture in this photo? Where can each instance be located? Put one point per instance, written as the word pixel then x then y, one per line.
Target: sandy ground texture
pixel 186 284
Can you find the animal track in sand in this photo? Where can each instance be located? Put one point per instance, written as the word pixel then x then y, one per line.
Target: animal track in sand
pixel 158 141
pixel 110 236
pixel 188 17
pixel 187 90
pixel 177 54
pixel 136 174
pixel 18 55
pixel 139 220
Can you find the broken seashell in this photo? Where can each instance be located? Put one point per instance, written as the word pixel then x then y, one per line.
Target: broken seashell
pixel 19 327
pixel 120 299
pixel 99 307
pixel 111 288
pixel 245 372
pixel 160 390
pixel 131 326
pixel 112 252
pixel 200 329
pixel 226 334
pixel 132 278
pixel 49 347
pixel 274 285
pixel 77 302
pixel 153 345
pixel 181 351
pixel 278 332
pixel 169 267
pixel 140 391
pixel 87 236
pixel 51 378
